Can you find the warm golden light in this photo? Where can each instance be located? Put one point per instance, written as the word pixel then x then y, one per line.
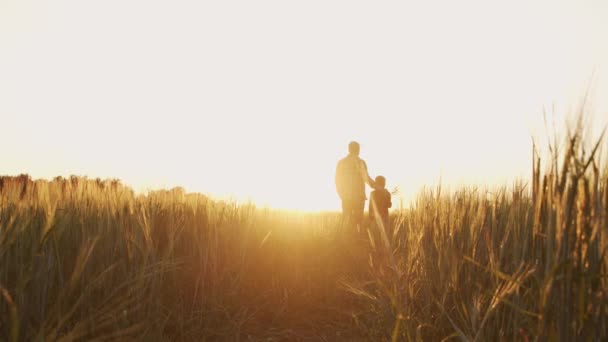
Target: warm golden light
pixel 318 170
pixel 258 100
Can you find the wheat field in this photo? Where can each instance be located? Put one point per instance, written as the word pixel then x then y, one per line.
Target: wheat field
pixel 90 260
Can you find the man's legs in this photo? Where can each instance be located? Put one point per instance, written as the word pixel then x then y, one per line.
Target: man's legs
pixel 358 209
pixel 352 213
pixel 347 211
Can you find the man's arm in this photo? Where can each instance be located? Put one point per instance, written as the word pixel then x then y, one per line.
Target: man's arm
pixel 366 176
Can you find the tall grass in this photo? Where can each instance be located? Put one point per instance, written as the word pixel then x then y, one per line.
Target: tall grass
pixel 85 259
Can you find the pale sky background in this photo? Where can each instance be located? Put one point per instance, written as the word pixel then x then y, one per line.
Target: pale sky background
pixel 259 99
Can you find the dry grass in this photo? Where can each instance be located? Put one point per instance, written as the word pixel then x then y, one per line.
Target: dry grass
pixel 89 260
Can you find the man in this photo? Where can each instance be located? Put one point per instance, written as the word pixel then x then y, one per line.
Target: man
pixel 351 176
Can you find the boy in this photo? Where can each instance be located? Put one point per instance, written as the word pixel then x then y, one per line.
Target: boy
pixel 380 201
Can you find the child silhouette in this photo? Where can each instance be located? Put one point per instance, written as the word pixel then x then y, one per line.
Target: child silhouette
pixel 380 201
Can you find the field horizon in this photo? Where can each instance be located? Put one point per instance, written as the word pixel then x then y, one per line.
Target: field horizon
pixel 89 259
pixel 204 171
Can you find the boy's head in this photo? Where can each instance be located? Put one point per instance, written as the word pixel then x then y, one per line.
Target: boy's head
pixel 380 182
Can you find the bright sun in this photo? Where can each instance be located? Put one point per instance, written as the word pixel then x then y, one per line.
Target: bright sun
pixel 259 100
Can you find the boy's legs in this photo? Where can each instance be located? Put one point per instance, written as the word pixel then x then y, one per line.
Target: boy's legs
pixel 386 231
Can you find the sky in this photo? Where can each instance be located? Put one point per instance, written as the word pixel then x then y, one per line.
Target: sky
pixel 257 100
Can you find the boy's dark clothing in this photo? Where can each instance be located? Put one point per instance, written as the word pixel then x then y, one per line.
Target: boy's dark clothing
pixel 381 200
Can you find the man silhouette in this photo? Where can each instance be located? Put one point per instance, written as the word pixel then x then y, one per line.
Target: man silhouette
pixel 351 176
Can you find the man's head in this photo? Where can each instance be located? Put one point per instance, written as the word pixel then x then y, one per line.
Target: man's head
pixel 354 148
pixel 380 182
